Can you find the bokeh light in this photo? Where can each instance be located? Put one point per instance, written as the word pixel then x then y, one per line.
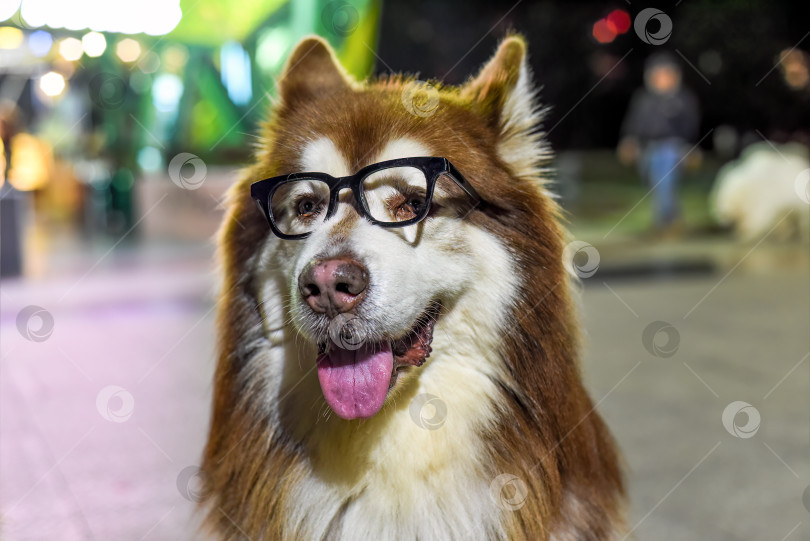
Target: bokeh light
pixel 10 37
pixel 153 17
pixel 150 62
pixel 94 44
pixel 128 50
pixel 150 159
pixel 30 167
pixel 71 49
pixel 52 84
pixel 235 70
pixel 603 32
pixel 166 92
pixel 40 43
pixel 8 8
pixel 174 58
pixel 272 45
pixel 619 21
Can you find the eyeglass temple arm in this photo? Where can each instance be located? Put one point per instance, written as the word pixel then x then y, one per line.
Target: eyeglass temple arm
pixel 463 183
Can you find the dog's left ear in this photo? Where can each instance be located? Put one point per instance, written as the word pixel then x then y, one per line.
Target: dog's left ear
pixel 503 93
pixel 312 71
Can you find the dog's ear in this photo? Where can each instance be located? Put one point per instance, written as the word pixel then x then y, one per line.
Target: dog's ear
pixel 312 70
pixel 504 94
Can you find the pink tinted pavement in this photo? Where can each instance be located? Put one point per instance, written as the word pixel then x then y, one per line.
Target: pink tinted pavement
pixel 103 420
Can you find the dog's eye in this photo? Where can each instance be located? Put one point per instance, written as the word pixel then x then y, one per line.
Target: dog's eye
pixel 409 209
pixel 307 207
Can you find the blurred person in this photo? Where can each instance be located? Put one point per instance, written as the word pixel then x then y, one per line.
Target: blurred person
pixel 661 123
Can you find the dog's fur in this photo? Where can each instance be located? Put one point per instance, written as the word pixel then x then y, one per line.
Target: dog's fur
pixel 758 190
pixel 279 464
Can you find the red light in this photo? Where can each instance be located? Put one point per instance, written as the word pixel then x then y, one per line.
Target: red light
pixel 619 21
pixel 603 32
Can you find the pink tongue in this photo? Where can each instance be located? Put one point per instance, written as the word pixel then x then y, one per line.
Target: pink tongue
pixel 355 383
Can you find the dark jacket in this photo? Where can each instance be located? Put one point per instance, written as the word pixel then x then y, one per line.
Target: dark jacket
pixel 654 117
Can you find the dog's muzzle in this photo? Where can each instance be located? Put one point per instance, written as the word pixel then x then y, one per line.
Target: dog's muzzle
pixel 333 286
pixel 358 364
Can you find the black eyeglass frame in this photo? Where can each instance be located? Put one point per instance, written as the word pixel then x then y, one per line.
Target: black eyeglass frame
pixel 432 167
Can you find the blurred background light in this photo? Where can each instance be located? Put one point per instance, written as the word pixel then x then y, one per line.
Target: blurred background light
pixel 10 37
pixel 166 92
pixel 8 8
pixel 272 47
pixel 235 69
pixel 52 84
pixel 603 32
pixel 71 49
pixel 30 162
pixel 150 62
pixel 94 44
pixel 153 17
pixel 174 58
pixel 128 50
pixel 40 43
pixel 619 21
pixel 150 159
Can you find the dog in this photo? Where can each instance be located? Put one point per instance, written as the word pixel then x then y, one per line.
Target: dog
pixel 401 364
pixel 765 185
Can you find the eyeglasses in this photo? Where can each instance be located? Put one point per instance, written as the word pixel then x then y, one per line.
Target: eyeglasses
pixel 393 193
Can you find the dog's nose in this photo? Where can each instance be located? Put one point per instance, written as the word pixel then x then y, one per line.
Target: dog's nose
pixel 332 286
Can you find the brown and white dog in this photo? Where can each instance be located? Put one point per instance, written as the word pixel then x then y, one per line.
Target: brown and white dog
pixel 482 429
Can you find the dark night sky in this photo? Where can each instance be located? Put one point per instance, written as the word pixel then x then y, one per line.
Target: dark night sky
pixel 438 40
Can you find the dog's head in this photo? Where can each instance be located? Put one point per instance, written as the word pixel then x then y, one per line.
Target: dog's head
pixel 366 298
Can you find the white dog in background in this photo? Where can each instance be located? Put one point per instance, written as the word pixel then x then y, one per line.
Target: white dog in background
pixel 760 189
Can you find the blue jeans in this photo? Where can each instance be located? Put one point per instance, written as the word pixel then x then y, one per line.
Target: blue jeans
pixel 660 167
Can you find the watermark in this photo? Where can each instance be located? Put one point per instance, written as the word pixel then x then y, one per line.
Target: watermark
pixel 187 171
pixel 428 411
pixel 581 259
pixel 347 331
pixel 35 323
pixel 509 492
pixel 650 17
pixel 802 186
pixel 420 98
pixel 107 90
pixel 341 18
pixel 190 483
pixel 661 339
pixel 115 404
pixel 730 415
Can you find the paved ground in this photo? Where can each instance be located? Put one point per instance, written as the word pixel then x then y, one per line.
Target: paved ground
pixel 80 459
pixel 746 339
pixel 67 471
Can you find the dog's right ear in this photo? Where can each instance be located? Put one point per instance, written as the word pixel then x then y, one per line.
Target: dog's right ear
pixel 312 71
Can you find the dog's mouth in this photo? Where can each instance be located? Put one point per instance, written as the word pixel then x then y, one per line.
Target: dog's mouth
pixel 356 377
